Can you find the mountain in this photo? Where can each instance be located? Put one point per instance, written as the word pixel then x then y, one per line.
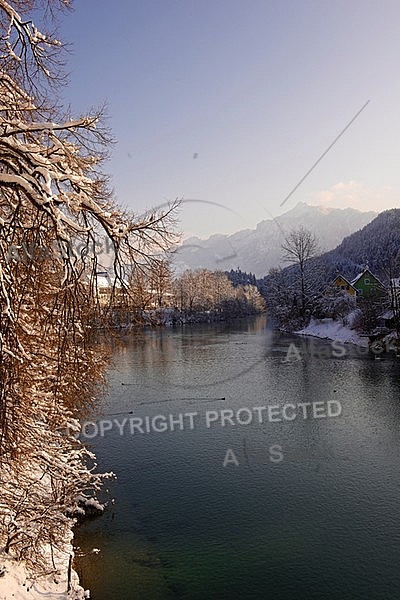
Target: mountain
pixel 376 245
pixel 257 250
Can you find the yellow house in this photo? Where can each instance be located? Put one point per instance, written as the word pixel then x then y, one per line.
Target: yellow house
pixel 339 284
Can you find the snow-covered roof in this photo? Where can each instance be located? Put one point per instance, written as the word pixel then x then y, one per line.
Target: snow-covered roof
pixel 366 270
pixel 155 292
pixel 388 314
pixel 102 281
pixel 353 281
pixel 343 278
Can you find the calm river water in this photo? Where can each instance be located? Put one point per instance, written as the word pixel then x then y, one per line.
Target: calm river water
pixel 323 522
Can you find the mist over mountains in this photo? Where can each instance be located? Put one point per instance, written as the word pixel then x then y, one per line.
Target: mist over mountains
pixel 257 250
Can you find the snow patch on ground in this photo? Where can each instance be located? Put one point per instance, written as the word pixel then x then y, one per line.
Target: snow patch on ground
pixel 16 583
pixel 333 330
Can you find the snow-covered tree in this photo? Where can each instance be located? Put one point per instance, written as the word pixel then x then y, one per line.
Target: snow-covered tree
pixel 53 196
pixel 161 283
pixel 204 290
pixel 299 246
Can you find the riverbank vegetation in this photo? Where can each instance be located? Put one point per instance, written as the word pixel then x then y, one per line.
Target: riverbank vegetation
pixel 203 296
pixel 357 283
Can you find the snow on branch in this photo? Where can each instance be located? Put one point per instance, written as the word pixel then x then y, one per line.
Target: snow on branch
pixel 52 363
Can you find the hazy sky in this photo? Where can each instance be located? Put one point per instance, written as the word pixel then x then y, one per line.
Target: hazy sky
pixel 233 101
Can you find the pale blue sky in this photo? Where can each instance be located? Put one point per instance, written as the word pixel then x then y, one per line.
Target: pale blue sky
pixel 258 89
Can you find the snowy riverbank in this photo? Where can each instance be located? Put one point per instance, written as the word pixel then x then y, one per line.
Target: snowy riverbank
pixel 333 330
pixel 16 584
pixel 42 540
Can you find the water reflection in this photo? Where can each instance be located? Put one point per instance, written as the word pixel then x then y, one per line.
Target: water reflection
pixel 185 526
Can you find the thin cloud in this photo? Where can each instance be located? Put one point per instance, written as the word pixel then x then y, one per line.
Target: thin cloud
pixel 355 194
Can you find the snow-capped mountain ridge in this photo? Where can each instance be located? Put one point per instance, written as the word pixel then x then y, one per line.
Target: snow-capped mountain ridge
pixel 257 250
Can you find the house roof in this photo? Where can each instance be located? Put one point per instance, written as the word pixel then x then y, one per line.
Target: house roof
pixel 366 270
pixel 389 314
pixel 344 279
pixel 353 281
pixel 104 280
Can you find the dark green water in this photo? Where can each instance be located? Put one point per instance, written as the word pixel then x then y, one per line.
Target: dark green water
pixel 184 526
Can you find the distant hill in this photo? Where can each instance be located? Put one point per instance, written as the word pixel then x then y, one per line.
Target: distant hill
pixel 257 250
pixel 376 245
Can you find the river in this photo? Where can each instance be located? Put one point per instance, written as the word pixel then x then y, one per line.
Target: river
pixel 315 517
